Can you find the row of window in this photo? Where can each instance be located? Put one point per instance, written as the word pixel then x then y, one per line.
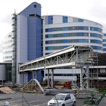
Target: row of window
pixel 104 49
pixel 6 57
pixel 96 41
pixel 62 74
pixel 8 52
pixel 62 47
pixel 73 28
pixel 8 41
pixel 97 47
pixel 104 44
pixel 104 40
pixel 7 47
pixel 55 48
pixel 64 19
pixel 72 41
pixel 66 35
pixel 66 28
pixel 73 35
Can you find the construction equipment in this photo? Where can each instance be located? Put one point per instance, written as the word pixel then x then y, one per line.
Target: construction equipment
pixel 92 101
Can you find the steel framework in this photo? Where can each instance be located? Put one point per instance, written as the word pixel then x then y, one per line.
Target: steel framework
pixel 74 56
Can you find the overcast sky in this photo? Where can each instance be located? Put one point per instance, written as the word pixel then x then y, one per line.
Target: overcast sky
pixel 94 10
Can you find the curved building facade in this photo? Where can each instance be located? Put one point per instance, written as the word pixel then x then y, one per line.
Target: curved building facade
pixel 63 31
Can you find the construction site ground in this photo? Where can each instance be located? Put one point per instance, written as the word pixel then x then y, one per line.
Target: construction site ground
pixel 33 99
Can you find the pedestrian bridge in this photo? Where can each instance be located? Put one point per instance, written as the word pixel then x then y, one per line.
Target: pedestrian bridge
pixel 74 56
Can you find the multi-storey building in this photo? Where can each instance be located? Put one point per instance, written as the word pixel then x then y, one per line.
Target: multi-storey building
pixel 7 48
pixel 62 31
pixel 34 36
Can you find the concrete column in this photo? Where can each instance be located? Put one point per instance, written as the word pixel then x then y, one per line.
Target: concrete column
pixel 48 80
pixel 52 79
pixel 81 80
pixel 36 74
pixel 23 79
pixel 87 73
pixel 32 74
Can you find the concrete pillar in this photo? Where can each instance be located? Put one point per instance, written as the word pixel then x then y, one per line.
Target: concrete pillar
pixel 23 79
pixel 36 74
pixel 32 74
pixel 52 79
pixel 48 80
pixel 87 74
pixel 81 80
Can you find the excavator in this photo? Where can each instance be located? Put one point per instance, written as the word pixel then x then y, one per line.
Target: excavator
pixel 92 101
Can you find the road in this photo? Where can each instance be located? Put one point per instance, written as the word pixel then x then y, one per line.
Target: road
pixel 33 100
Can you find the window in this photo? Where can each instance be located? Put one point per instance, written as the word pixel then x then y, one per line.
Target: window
pixel 95 35
pixel 96 41
pixel 95 29
pixel 66 35
pixel 104 44
pixel 50 19
pixel 67 97
pixel 65 19
pixel 102 71
pixel 80 20
pixel 104 40
pixel 35 6
pixel 66 28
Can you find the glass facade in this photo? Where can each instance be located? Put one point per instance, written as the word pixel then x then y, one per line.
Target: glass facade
pixel 55 47
pixel 80 20
pixel 104 44
pixel 95 29
pixel 66 28
pixel 97 47
pixel 95 35
pixel 67 41
pixel 50 19
pixel 96 41
pixel 65 19
pixel 66 35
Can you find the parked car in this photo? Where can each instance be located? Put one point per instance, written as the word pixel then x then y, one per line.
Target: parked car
pixel 62 99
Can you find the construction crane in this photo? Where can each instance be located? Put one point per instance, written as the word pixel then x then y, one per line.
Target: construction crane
pixel 92 101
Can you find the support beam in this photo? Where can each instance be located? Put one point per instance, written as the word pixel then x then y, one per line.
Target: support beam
pixel 52 80
pixel 32 74
pixel 87 67
pixel 48 80
pixel 36 74
pixel 81 79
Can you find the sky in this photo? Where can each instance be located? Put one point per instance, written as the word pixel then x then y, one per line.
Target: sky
pixel 94 10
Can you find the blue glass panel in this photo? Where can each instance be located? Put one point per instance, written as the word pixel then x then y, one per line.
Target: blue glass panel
pixel 50 36
pixel 65 19
pixel 50 30
pixel 80 20
pixel 65 28
pixel 104 49
pixel 50 19
pixel 65 41
pixel 81 40
pixel 65 34
pixel 104 44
